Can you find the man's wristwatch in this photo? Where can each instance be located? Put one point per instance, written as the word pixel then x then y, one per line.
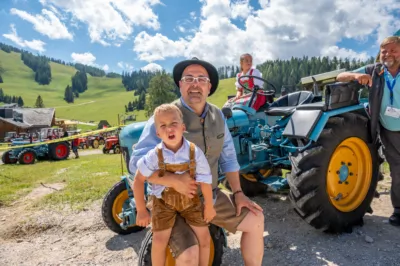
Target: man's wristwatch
pixel 236 192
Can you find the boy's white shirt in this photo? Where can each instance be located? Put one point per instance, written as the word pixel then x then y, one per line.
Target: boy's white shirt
pixel 148 164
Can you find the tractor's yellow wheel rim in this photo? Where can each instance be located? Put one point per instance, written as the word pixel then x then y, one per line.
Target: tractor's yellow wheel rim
pixel 263 172
pixel 349 174
pixel 118 204
pixel 170 260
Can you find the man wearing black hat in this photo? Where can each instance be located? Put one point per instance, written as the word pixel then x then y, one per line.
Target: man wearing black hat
pixel 206 127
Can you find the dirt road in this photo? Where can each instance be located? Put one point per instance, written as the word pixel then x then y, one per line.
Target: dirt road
pixel 63 237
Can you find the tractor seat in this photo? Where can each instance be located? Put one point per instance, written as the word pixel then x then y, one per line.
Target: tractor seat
pixel 286 105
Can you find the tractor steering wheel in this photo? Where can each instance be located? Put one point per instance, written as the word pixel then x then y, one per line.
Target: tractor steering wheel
pixel 258 90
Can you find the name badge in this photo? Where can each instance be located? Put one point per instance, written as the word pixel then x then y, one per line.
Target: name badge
pixel 392 112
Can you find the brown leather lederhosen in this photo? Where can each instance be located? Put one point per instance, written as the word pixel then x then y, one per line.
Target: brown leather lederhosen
pixel 164 210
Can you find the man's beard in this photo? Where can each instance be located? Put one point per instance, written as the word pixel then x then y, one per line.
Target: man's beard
pixel 395 62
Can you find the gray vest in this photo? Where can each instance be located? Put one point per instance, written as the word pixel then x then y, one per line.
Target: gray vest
pixel 207 134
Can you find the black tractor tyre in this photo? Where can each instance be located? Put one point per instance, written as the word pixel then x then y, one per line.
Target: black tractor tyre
pixel 27 156
pixel 107 210
pixel 117 149
pixel 5 158
pixel 217 237
pixel 59 151
pixel 308 179
pixel 105 151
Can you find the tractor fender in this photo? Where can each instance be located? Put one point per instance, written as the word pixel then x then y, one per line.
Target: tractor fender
pixel 308 121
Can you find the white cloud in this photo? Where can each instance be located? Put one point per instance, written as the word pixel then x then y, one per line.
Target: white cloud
pixel 109 20
pixel 344 53
pixel 106 67
pixel 279 29
pixel 85 58
pixel 36 45
pixel 241 9
pixel 181 29
pixel 193 15
pixel 125 66
pixel 47 24
pixel 158 47
pixel 153 67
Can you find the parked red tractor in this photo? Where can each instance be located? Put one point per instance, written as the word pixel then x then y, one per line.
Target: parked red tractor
pixel 112 143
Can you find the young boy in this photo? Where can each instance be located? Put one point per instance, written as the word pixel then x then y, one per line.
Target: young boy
pixel 178 155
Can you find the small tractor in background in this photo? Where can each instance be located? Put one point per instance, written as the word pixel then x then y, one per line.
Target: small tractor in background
pixel 112 144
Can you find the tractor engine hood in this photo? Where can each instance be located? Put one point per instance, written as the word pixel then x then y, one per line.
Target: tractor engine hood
pixel 238 119
pixel 129 135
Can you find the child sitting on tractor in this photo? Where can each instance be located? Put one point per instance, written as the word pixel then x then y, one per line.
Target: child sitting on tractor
pixel 246 67
pixel 177 155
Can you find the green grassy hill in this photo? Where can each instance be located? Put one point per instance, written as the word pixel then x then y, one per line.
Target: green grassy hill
pixel 104 99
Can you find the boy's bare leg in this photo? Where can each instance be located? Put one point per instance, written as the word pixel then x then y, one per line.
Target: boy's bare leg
pixel 159 245
pixel 204 238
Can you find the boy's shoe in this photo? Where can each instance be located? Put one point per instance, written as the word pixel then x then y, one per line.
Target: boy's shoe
pixel 395 219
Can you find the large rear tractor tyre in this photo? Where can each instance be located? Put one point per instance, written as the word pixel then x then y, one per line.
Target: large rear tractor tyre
pixel 216 249
pixel 333 182
pixel 113 203
pixel 27 156
pixel 5 158
pixel 59 151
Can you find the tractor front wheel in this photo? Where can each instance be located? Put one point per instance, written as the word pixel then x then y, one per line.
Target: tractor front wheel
pixel 216 249
pixel 6 158
pixel 333 182
pixel 113 204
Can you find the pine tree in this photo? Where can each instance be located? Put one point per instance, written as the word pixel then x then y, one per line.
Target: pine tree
pixel 1 79
pixel 68 95
pixel 20 101
pixel 1 95
pixel 39 102
pixel 160 91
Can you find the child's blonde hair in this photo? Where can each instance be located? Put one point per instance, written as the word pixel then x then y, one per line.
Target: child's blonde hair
pixel 168 107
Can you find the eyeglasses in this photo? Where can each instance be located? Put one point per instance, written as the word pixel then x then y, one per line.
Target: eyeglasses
pixel 190 79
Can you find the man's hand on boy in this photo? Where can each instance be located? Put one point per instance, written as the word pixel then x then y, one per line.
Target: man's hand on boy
pixel 143 218
pixel 185 185
pixel 209 213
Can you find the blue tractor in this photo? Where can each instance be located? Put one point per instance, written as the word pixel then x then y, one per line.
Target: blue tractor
pixel 322 143
pixel 28 155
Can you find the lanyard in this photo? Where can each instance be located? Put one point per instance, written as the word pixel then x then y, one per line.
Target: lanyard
pixel 390 86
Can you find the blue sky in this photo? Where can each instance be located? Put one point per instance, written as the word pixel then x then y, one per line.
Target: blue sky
pixel 122 35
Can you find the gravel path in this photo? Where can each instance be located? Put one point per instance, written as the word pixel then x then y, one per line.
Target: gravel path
pixel 64 237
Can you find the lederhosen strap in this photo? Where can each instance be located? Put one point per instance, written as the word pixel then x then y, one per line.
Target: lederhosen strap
pixel 161 164
pixel 192 163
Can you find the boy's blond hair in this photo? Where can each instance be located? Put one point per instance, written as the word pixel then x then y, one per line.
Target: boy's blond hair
pixel 168 107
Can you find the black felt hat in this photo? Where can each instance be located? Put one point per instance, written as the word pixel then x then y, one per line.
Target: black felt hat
pixel 212 72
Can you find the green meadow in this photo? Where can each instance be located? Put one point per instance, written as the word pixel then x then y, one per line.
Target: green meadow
pixel 104 100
